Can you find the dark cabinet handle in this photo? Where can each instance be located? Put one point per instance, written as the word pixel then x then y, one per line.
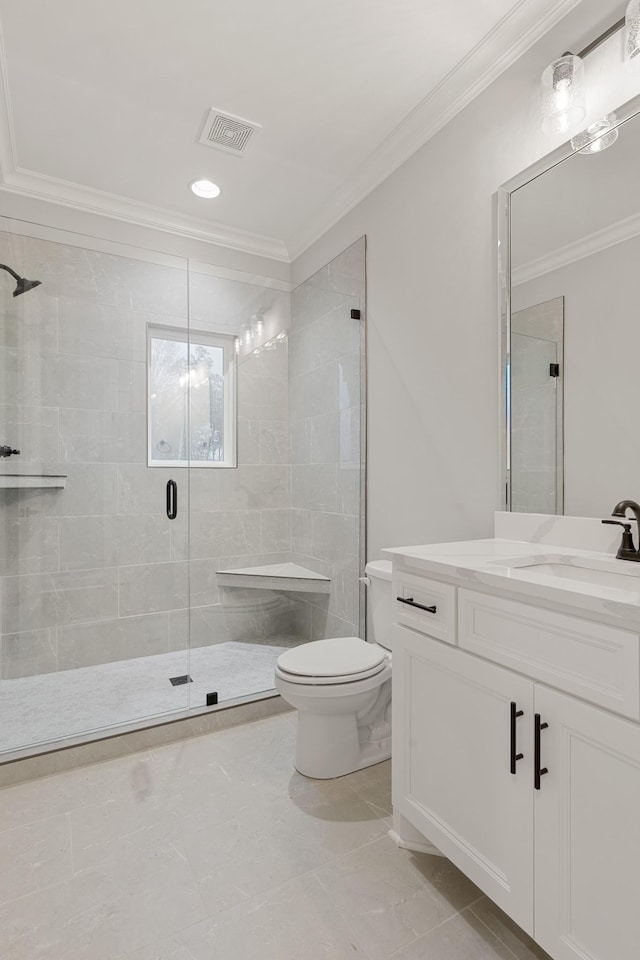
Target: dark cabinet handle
pixel 412 603
pixel 538 771
pixel 172 499
pixel 515 756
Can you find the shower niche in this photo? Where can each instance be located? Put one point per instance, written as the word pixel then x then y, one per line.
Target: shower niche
pixel 187 496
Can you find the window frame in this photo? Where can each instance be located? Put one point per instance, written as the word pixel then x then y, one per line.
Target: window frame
pixel 205 338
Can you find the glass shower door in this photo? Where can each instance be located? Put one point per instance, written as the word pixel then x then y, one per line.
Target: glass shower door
pixel 240 484
pixel 94 574
pixel 277 471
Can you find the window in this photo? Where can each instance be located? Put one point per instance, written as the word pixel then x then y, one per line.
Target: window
pixel 191 400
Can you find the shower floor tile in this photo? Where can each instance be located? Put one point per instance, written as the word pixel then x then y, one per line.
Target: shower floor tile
pixel 53 706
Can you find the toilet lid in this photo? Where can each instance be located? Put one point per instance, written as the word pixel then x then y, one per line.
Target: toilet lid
pixel 337 657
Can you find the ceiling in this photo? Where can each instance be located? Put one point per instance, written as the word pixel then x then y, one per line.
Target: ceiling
pixel 104 103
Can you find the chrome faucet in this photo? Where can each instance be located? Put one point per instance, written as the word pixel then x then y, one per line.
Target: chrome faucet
pixel 627 549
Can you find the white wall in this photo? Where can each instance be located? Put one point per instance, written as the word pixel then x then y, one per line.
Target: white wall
pixel 432 328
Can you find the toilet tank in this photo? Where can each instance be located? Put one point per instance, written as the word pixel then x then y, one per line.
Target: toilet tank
pixel 379 603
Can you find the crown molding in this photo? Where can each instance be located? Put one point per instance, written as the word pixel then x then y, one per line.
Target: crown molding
pixel 41 187
pixel 585 247
pixel 516 33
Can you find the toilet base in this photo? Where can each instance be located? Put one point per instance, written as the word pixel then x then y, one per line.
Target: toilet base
pixel 318 755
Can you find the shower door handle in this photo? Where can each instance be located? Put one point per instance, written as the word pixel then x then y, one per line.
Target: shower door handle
pixel 172 499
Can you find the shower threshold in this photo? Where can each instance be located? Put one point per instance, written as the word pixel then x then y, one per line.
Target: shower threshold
pixel 54 707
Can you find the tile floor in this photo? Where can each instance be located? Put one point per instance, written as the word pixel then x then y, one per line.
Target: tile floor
pixel 53 706
pixel 215 849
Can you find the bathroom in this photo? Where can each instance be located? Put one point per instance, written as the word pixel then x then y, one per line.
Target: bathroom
pixel 348 293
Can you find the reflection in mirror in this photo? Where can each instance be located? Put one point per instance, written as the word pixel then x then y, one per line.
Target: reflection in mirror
pixel 535 389
pixel 575 284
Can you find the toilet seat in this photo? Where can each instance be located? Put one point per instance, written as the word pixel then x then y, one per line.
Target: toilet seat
pixel 334 661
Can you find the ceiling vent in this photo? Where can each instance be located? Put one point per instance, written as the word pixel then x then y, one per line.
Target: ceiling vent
pixel 226 132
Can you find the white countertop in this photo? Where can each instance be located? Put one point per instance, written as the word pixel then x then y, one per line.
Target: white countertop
pixel 485 565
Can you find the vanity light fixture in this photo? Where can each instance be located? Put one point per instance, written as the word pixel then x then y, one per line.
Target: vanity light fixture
pixel 205 189
pixel 563 100
pixel 563 93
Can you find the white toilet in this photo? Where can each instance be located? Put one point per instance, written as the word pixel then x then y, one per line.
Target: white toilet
pixel 341 689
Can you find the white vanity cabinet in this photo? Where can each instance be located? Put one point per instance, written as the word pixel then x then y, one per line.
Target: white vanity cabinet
pixel 451 765
pixel 587 832
pixel 562 860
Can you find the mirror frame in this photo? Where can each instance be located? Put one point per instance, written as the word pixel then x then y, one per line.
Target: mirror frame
pixel 561 154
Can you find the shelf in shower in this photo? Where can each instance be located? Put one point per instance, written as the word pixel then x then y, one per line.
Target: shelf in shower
pixel 29 481
pixel 275 576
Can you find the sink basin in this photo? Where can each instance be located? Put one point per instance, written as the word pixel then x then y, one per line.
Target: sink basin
pixel 616 574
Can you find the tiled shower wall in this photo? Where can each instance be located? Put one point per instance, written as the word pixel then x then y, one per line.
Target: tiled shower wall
pixel 95 572
pixel 246 520
pixel 327 416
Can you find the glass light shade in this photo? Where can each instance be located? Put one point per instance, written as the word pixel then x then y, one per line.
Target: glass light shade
pixel 563 99
pixel 597 137
pixel 632 36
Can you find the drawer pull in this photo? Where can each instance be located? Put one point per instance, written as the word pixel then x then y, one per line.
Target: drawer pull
pixel 515 756
pixel 412 603
pixel 537 770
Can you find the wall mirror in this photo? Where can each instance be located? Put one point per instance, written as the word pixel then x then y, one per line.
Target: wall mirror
pixel 569 263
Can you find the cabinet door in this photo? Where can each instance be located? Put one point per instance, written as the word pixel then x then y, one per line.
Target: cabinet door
pixel 587 832
pixel 452 758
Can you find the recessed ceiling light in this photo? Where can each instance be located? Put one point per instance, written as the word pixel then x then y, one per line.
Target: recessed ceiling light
pixel 205 189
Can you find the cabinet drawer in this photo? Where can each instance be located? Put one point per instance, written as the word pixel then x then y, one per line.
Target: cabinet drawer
pixel 595 662
pixel 439 622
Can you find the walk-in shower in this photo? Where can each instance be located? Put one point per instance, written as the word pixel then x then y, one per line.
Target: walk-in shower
pixel 124 378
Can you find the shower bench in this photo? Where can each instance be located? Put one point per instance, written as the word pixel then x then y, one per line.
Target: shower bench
pixel 275 576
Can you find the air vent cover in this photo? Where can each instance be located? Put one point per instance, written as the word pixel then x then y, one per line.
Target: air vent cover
pixel 226 132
